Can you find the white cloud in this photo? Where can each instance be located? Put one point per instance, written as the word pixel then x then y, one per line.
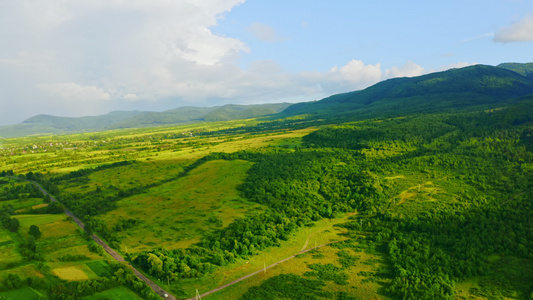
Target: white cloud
pixel 457 65
pixel 87 57
pixel 353 75
pixel 479 37
pixel 130 97
pixel 264 32
pixel 75 93
pixel 521 31
pixel 409 69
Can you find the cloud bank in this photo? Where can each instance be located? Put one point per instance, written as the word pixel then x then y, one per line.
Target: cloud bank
pixel 521 31
pixel 84 57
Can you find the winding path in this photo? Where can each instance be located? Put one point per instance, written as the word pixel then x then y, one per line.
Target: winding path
pixel 161 292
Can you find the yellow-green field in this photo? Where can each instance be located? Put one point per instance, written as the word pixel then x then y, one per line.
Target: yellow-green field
pixel 141 145
pixel 72 271
pixel 21 205
pixel 356 287
pixel 175 214
pixel 416 192
pixel 60 237
pixel 9 255
pixel 304 238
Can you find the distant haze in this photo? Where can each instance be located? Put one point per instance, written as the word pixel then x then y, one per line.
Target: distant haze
pixel 80 58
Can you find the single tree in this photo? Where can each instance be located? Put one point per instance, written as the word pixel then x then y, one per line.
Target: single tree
pixel 35 231
pixel 14 225
pixel 31 243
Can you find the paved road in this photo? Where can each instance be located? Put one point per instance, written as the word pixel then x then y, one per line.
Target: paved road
pixel 109 250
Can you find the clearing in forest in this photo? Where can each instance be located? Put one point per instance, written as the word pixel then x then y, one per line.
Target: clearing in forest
pixel 324 231
pixel 176 214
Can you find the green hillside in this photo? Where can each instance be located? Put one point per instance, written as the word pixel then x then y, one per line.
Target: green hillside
pixel 184 115
pixel 520 68
pixel 452 90
pixel 48 125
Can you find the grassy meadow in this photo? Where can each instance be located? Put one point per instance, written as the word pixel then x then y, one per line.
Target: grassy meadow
pixel 174 213
pixel 323 232
pixel 177 213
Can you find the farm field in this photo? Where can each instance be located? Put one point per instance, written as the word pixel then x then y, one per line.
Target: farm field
pixel 59 255
pixel 24 293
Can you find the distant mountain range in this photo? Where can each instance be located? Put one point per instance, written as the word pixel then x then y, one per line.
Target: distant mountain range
pixel 472 87
pixel 46 124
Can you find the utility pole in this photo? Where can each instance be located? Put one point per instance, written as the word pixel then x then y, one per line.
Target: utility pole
pixel 264 268
pixel 198 295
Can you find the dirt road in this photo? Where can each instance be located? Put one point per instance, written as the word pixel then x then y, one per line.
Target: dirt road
pixel 164 294
pixel 259 271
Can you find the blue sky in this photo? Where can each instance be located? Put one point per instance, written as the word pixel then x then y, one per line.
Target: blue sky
pixel 89 57
pixel 316 35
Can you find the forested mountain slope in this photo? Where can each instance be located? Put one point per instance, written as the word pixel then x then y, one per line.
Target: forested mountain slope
pixel 525 69
pixel 452 90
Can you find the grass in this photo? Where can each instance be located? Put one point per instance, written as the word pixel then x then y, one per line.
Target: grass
pixel 75 270
pixel 9 256
pixel 357 286
pixel 118 293
pixel 22 204
pixel 26 293
pixel 55 224
pixel 414 192
pixel 323 232
pixel 4 235
pixel 63 248
pixel 510 279
pixel 59 237
pixel 174 214
pixel 100 268
pixel 73 273
pixel 24 271
pixel 126 177
pixel 137 144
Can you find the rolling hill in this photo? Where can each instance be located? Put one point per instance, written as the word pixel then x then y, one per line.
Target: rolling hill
pixel 523 69
pixel 462 89
pixel 47 125
pixel 455 89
